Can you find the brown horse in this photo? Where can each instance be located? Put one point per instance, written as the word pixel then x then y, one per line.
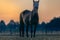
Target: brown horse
pixel 29 18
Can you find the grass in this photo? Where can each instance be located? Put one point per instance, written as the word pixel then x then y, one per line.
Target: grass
pixel 44 37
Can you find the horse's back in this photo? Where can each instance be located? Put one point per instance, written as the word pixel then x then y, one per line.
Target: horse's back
pixel 26 14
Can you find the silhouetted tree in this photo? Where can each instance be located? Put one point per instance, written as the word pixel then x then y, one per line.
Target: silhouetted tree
pixel 2 26
pixel 17 27
pixel 11 26
pixel 53 25
pixel 42 26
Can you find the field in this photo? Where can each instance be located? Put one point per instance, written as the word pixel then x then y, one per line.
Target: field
pixel 41 37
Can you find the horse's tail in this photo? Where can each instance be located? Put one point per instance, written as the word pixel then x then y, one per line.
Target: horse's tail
pixel 21 26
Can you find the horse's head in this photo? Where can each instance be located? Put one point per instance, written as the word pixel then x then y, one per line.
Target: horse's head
pixel 35 3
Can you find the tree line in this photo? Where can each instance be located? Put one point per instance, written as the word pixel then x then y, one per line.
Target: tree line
pixel 53 25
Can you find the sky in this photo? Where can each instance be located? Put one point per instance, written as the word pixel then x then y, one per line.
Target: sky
pixel 11 9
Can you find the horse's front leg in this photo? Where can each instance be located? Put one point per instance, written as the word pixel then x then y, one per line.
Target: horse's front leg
pixel 31 30
pixel 35 27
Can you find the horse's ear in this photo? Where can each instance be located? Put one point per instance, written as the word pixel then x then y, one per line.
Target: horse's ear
pixel 38 0
pixel 33 0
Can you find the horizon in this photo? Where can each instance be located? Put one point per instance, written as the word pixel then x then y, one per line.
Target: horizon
pixel 11 9
pixel 38 23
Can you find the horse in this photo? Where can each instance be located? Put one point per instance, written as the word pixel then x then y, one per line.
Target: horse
pixel 31 18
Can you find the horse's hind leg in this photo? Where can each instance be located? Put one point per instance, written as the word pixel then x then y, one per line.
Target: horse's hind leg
pixel 22 30
pixel 21 27
pixel 27 26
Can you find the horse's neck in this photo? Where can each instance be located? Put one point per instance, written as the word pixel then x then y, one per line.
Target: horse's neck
pixel 34 12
